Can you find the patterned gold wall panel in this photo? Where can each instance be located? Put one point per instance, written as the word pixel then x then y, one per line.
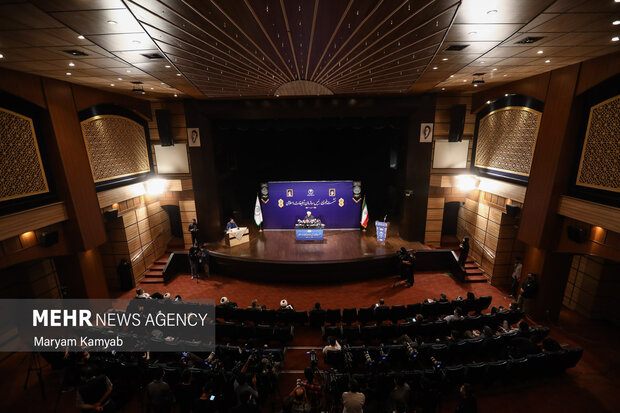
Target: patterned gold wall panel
pixel 116 147
pixel 600 158
pixel 21 168
pixel 506 140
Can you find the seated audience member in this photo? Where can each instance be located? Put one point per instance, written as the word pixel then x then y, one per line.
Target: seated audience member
pixel 381 304
pixel 443 298
pixel 177 298
pixel 167 296
pixel 204 404
pixel 419 318
pixel 468 403
pixel 225 302
pixel 353 400
pixel 524 329
pixel 157 296
pixel 313 389
pixel 470 296
pixel 94 392
pixel 284 305
pixel 457 315
pixel 141 294
pixel 399 397
pixel 520 347
pixel 549 344
pixel 159 395
pixel 254 305
pixel 243 384
pixel 299 399
pixel 263 307
pixel 455 335
pixel 184 392
pixel 332 345
pixel 514 306
pixel 247 403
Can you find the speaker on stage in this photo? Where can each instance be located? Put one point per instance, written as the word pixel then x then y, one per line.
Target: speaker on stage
pixel 577 234
pixel 457 123
pixel 357 190
pixel 264 191
pixel 111 215
pixel 164 127
pixel 49 238
pixel 512 210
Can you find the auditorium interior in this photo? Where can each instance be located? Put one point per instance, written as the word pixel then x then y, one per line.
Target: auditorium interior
pixel 458 162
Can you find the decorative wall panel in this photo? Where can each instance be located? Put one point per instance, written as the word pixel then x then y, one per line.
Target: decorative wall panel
pixel 117 147
pixel 599 166
pixel 506 140
pixel 21 168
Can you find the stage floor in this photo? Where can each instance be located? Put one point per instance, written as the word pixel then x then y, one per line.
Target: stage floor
pixel 337 246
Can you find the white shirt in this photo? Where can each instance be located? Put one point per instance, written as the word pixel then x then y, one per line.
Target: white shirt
pixel 516 273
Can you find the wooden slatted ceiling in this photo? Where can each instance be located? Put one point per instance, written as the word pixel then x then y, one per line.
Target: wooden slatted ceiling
pixel 244 48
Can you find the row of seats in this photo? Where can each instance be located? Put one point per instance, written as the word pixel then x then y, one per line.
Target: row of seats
pixel 436 329
pixel 536 365
pixel 265 333
pixel 318 318
pixel 445 351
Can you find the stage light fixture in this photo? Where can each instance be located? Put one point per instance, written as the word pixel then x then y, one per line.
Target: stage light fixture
pixel 155 186
pixel 467 182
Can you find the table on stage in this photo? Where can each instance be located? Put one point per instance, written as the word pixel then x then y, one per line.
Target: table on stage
pixel 237 236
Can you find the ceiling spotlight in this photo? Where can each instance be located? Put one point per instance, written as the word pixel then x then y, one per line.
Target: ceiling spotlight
pixel 547 61
pixel 112 22
pixel 1 56
pixel 476 85
pixel 472 33
pixel 494 69
pixel 128 71
pixel 68 73
pixel 505 94
pixel 136 41
pixel 435 68
pixel 451 75
pixel 81 37
pixel 464 80
pixel 616 22
pixel 491 11
pixel 112 84
pixel 540 52
pixel 615 39
pixel 175 95
pixel 167 66
pixel 120 78
pixel 71 64
pixel 488 101
pixel 151 88
pixel 445 59
pixel 505 75
pixel 443 88
pixel 482 61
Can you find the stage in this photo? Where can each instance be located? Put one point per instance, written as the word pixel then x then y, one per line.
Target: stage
pixel 343 255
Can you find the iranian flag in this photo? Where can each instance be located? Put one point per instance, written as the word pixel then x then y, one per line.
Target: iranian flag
pixel 364 220
pixel 258 213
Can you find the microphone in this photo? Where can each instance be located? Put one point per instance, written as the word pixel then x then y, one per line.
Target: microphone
pixel 385 218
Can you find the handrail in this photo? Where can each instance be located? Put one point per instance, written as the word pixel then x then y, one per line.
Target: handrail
pixel 146 247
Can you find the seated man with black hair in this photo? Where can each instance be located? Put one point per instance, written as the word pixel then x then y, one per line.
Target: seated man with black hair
pixel 457 315
pixel 332 345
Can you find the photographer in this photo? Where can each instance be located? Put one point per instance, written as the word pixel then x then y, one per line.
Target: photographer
pixel 407 266
pixel 314 390
pixel 299 399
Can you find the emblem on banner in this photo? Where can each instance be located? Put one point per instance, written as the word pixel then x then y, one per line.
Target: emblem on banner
pixel 341 202
pixel 310 192
pixel 280 203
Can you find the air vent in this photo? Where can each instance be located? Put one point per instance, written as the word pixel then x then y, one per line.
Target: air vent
pixel 455 48
pixel 137 82
pixel 75 53
pixel 153 56
pixel 479 74
pixel 529 40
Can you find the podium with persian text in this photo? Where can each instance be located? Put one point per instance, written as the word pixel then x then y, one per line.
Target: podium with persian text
pixel 237 236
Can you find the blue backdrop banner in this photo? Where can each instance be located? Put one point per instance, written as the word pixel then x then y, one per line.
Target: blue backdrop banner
pixel 330 201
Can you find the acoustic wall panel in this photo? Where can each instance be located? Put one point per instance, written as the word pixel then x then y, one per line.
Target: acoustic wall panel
pixel 450 154
pixel 171 159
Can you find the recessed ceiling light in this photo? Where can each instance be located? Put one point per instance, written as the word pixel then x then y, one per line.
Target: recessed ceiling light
pixel 444 59
pixel 167 66
pixel 616 22
pixel 81 37
pixel 615 39
pixel 491 11
pixel 435 68
pixel 494 69
pixel 475 85
pixel 488 101
pixel 112 84
pixel 128 71
pixel 482 61
pixel 547 61
pixel 178 74
pixel 68 73
pixel 443 88
pixel 451 75
pixel 112 22
pixel 151 88
pixel 71 64
pixel 505 94
pixel 175 95
pixel 1 56
pixel 120 78
pixel 464 80
pixel 472 33
pixel 540 52
pixel 136 41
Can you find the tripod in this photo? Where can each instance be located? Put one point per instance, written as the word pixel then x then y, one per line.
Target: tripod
pixel 34 364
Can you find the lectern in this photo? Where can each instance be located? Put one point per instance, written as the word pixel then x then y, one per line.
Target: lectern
pixel 237 236
pixel 382 228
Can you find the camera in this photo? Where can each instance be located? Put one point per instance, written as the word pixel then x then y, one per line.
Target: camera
pixel 368 359
pixel 314 360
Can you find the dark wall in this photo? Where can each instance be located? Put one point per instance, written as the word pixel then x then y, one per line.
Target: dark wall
pixel 252 141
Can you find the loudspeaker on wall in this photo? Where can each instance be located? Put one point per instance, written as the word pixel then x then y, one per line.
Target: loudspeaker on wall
pixel 457 122
pixel 49 238
pixel 164 127
pixel 512 210
pixel 577 234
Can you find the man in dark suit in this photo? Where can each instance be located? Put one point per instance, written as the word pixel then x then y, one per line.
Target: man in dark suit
pixel 193 230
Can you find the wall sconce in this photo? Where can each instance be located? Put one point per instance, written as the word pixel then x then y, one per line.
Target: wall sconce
pixel 467 182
